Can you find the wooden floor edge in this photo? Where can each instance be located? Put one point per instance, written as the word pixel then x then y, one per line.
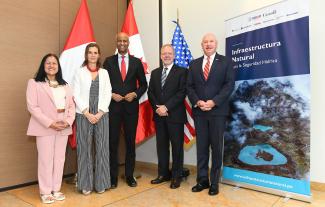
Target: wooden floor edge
pixel 153 166
pixel 317 186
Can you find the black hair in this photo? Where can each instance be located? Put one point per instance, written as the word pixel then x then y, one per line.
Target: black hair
pixel 41 76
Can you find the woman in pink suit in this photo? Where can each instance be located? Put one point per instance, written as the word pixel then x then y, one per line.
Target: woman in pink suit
pixel 50 103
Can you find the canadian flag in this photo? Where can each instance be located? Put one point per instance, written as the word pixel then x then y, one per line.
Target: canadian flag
pixel 80 36
pixel 146 126
pixel 73 56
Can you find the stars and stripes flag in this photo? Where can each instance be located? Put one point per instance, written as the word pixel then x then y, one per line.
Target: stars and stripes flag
pixel 183 57
pixel 146 127
pixel 72 55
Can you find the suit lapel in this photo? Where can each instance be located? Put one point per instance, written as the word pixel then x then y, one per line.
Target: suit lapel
pixel 214 66
pixel 48 90
pixel 159 74
pixel 200 62
pixel 129 68
pixel 68 95
pixel 169 76
pixel 117 69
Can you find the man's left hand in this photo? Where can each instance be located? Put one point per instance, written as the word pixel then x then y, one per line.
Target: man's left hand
pixel 130 96
pixel 209 104
pixel 162 110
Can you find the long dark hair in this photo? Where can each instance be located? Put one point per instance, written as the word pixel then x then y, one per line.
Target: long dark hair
pixel 41 76
pixel 98 64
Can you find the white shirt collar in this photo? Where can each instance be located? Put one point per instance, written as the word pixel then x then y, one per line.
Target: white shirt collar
pixel 125 56
pixel 211 57
pixel 169 66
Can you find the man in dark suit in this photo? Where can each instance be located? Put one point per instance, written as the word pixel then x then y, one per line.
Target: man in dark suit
pixel 210 83
pixel 128 84
pixel 166 93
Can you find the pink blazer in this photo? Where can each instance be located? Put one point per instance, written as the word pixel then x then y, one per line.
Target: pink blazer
pixel 41 105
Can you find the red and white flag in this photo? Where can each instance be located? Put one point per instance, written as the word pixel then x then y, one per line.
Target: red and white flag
pixel 146 126
pixel 80 36
pixel 72 55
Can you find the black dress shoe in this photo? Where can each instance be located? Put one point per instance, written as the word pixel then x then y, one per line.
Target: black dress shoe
pixel 160 179
pixel 131 181
pixel 200 186
pixel 175 183
pixel 185 173
pixel 113 183
pixel 214 189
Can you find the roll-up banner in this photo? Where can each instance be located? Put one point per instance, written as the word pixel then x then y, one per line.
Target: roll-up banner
pixel 267 143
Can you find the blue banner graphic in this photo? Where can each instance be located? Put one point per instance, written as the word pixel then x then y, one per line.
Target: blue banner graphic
pixel 267 143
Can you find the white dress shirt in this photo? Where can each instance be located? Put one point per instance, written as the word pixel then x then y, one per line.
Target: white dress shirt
pixel 126 59
pixel 205 60
pixel 59 96
pixel 168 69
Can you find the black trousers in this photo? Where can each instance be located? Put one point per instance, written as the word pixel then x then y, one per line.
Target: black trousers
pixel 129 123
pixel 173 133
pixel 209 134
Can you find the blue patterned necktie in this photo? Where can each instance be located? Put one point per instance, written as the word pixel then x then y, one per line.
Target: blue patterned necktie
pixel 163 77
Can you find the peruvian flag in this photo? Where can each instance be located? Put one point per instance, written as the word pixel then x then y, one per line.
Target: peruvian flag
pixel 80 36
pixel 73 56
pixel 146 126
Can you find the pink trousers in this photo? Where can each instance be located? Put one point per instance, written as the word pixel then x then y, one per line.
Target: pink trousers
pixel 51 157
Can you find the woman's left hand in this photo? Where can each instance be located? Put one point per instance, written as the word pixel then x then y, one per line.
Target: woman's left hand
pixel 99 115
pixel 66 124
pixel 63 124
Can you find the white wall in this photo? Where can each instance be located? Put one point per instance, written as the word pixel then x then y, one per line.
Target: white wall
pixel 199 17
pixel 146 13
pixel 147 17
pixel 317 56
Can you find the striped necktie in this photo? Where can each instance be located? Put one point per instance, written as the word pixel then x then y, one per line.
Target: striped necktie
pixel 163 77
pixel 206 69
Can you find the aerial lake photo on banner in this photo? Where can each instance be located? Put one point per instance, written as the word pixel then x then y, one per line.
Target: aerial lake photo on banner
pixel 269 128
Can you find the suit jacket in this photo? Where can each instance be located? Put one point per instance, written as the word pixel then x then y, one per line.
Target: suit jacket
pixel 172 95
pixel 41 105
pixel 135 81
pixel 81 88
pixel 218 87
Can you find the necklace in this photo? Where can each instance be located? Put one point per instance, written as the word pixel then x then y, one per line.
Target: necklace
pixel 53 84
pixel 92 70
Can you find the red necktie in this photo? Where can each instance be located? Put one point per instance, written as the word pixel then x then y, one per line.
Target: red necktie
pixel 123 68
pixel 206 69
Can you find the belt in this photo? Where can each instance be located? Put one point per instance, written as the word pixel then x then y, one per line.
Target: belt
pixel 60 110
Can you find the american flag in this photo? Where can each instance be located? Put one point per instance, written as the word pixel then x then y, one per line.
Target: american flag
pixel 183 57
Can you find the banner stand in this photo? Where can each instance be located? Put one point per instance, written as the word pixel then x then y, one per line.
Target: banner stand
pixel 284 194
pixel 267 142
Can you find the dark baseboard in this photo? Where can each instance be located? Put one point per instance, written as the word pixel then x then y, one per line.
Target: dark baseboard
pixel 28 184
